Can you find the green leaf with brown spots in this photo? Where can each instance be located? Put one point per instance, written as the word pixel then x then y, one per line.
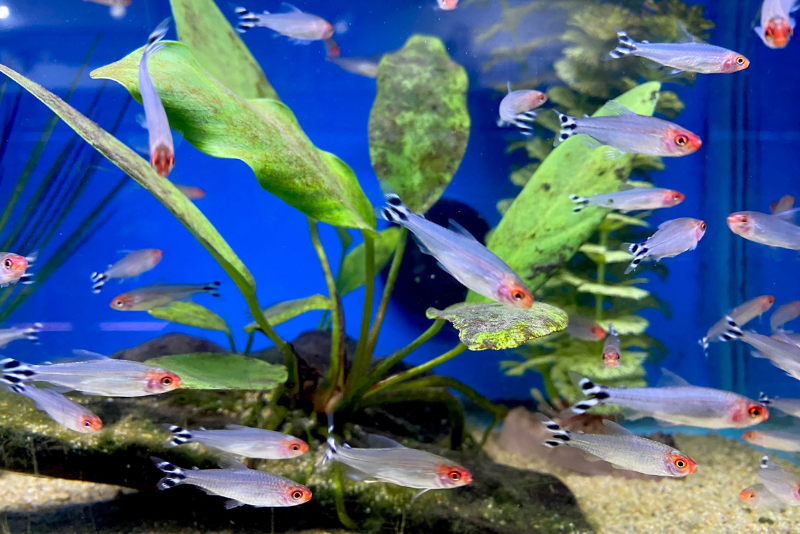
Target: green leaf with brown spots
pixel 190 314
pixel 539 233
pixel 419 124
pixel 263 133
pixel 218 48
pixel 205 370
pixel 495 326
pixel 284 311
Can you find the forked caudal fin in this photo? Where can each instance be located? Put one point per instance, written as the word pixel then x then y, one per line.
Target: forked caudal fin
pixel 568 126
pixel 98 281
pixel 626 46
pixel 580 203
pixel 175 474
pixel 247 20
pixel 394 211
pixel 13 372
pixel 212 289
pixel 597 394
pixel 733 330
pixel 559 436
pixel 179 435
pixel 639 253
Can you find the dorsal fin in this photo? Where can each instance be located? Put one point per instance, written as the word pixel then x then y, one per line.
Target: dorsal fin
pixel 614 109
pixel 682 35
pixel 457 228
pixel 290 7
pixel 508 84
pixel 626 187
pixel 671 380
pixel 613 429
pixel 376 441
pixel 788 215
pixel 229 462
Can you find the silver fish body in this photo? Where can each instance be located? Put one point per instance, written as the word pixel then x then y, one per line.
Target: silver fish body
pixel 671 239
pixel 60 409
pixel 517 108
pixel 766 229
pixel 462 256
pixel 784 485
pixel 623 449
pixel 630 132
pixel 687 55
pixel 109 378
pixel 133 264
pixel 294 24
pixel 679 404
pixel 363 66
pixel 759 496
pixel 400 465
pixel 784 314
pixel 7 335
pixel 742 314
pixel 611 348
pixel 243 441
pixel 158 295
pixel 162 149
pixel 242 486
pixel 776 440
pixel 637 198
pixel 787 406
pixel 782 352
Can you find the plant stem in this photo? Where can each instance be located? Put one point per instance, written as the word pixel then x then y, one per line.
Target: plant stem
pixel 338 497
pixel 231 341
pixel 387 291
pixel 249 345
pixel 416 371
pixel 335 365
pixel 355 394
pixel 363 357
pixel 601 277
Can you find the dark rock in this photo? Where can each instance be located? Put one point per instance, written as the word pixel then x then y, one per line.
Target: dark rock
pixel 167 346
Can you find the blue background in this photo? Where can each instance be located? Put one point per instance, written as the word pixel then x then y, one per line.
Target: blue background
pixel 748 122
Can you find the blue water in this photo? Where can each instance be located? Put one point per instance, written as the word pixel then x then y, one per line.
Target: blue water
pixel 748 122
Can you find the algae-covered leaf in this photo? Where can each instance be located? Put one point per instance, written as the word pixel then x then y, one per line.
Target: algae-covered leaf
pixel 626 292
pixel 539 232
pixel 626 325
pixel 353 273
pixel 419 124
pixel 137 168
pixel 191 314
pixel 205 370
pixel 263 133
pixel 495 326
pixel 218 48
pixel 284 311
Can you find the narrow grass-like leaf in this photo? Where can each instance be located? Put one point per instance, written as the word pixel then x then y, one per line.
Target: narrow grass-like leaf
pixel 284 311
pixel 190 314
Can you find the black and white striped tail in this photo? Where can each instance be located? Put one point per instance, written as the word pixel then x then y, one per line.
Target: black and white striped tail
pixel 765 462
pixel 247 20
pixel 175 475
pixel 597 394
pixel 763 399
pixel 639 253
pixel 626 45
pixel 559 435
pixel 154 38
pixel 395 211
pixel 14 372
pixel 330 452
pixel 580 203
pixel 568 126
pixel 98 281
pixel 179 436
pixel 212 288
pixel 733 330
pixel 31 333
pixel 27 278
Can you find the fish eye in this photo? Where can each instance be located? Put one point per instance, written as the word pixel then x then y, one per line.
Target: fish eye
pixel 703 226
pixel 755 411
pixel 8 263
pixel 676 197
pixel 769 33
pixel 518 295
pixel 295 447
pixel 297 495
pixel 118 303
pixel 681 140
pixel 166 380
pixel 740 60
pixel 455 476
pixel 87 423
pixel 680 464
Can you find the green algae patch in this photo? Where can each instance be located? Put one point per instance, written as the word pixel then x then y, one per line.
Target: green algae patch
pixel 218 48
pixel 495 326
pixel 137 168
pixel 190 314
pixel 263 133
pixel 419 124
pixel 285 311
pixel 539 232
pixel 353 273
pixel 222 371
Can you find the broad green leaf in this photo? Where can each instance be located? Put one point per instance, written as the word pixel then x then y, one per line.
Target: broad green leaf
pixel 205 370
pixel 263 133
pixel 284 311
pixel 626 325
pixel 539 233
pixel 615 221
pixel 626 292
pixel 191 314
pixel 139 169
pixel 600 254
pixel 495 326
pixel 419 124
pixel 353 273
pixel 217 47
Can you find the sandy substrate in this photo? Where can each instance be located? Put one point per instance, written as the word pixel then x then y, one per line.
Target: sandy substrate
pixel 25 493
pixel 705 502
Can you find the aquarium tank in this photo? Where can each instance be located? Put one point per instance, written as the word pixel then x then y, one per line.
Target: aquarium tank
pixel 443 266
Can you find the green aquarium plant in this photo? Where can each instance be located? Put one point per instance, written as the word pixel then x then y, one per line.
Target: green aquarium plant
pixel 44 204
